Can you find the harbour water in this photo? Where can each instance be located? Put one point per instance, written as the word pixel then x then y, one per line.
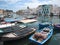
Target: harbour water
pixel 55 39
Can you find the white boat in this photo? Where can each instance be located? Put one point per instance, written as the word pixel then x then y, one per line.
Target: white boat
pixel 6 25
pixel 27 20
pixel 31 17
pixel 11 27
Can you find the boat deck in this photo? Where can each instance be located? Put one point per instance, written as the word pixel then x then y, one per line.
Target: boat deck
pixel 10 29
pixel 28 20
pixel 19 33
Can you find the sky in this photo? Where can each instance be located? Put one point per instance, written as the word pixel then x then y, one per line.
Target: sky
pixel 16 5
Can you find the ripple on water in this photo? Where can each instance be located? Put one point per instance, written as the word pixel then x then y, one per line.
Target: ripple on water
pixel 55 40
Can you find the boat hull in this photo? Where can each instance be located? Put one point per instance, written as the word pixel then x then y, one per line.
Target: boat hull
pixel 17 34
pixel 57 27
pixel 41 43
pixel 45 24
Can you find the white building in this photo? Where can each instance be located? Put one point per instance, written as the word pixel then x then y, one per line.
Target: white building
pixel 56 10
pixel 29 11
pixel 33 11
pixel 44 9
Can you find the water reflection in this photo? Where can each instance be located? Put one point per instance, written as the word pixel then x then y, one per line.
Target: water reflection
pixel 55 39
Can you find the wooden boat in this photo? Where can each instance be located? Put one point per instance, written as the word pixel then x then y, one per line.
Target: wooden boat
pixel 10 27
pixel 18 34
pixel 41 36
pixel 57 26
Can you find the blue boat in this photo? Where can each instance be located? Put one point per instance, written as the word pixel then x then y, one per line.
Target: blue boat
pixel 42 36
pixel 44 24
pixel 12 19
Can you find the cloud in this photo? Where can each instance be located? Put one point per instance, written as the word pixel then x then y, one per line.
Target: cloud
pixel 35 3
pixel 22 4
pixel 16 1
pixel 57 2
pixel 10 1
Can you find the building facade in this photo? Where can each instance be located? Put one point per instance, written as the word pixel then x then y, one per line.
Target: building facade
pixel 27 11
pixel 7 12
pixel 45 9
pixel 1 11
pixel 56 10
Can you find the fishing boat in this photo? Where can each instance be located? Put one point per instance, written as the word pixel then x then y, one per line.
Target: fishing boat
pixel 42 36
pixel 10 27
pixel 4 24
pixel 31 17
pixel 57 26
pixel 12 20
pixel 17 34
